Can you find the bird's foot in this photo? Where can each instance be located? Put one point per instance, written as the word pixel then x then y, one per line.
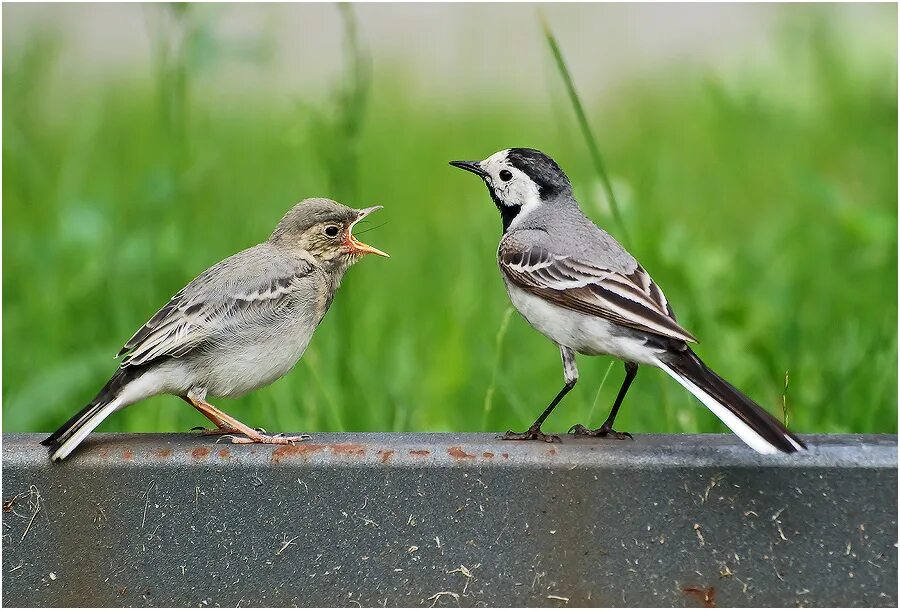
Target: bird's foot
pixel 532 434
pixel 601 432
pixel 222 430
pixel 269 439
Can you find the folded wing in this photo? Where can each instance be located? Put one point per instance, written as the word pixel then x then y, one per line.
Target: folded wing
pixel 633 300
pixel 196 314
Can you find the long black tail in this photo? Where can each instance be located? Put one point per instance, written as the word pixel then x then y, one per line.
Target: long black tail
pixel 753 424
pixel 71 433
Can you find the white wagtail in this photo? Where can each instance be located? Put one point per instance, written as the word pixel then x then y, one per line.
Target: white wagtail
pixel 240 325
pixel 581 289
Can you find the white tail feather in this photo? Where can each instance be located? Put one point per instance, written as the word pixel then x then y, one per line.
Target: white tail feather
pixel 744 432
pixel 86 428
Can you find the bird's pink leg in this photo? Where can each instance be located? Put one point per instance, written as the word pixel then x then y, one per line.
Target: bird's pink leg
pixel 226 424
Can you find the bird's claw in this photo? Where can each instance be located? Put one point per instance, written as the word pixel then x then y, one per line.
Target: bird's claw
pixel 223 431
pixel 532 434
pixel 601 432
pixel 579 430
pixel 214 431
pixel 275 439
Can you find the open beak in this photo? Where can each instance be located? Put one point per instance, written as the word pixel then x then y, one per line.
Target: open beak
pixel 354 246
pixel 470 166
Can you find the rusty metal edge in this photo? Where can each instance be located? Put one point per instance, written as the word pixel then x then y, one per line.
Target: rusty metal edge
pixel 448 449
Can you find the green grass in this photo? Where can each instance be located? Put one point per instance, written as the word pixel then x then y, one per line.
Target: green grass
pixel 583 124
pixel 765 205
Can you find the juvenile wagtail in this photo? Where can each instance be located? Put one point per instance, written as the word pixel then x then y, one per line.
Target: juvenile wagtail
pixel 581 289
pixel 240 325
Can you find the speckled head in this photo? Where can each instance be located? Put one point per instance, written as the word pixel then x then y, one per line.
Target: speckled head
pixel 324 228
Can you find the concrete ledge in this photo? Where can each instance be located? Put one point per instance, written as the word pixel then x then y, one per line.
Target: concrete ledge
pixel 450 519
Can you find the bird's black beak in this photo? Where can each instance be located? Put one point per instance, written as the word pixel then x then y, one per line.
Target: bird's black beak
pixel 470 166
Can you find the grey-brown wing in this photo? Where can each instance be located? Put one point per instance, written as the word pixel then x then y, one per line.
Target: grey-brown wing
pixel 205 307
pixel 633 300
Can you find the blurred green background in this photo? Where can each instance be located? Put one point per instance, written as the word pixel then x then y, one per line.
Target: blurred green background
pixel 760 193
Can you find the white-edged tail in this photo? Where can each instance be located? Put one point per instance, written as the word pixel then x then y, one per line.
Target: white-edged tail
pixel 109 399
pixel 753 424
pixel 87 425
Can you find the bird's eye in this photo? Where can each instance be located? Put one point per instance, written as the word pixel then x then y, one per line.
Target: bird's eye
pixel 505 175
pixel 332 231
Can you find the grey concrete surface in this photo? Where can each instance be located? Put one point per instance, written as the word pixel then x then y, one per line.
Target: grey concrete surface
pixel 450 520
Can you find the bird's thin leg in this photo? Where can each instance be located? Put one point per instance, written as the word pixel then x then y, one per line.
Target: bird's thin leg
pixel 631 369
pixel 221 426
pixel 229 425
pixel 534 432
pixel 606 429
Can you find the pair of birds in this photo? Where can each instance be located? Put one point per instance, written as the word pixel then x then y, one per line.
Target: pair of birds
pixel 246 321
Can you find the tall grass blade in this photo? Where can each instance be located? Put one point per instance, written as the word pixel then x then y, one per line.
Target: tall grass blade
pixel 590 413
pixel 596 157
pixel 338 131
pixel 498 353
pixel 341 122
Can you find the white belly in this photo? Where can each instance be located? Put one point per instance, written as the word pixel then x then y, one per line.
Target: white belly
pixel 256 365
pixel 252 359
pixel 585 334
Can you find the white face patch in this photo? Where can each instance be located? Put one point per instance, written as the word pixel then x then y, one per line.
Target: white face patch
pixel 517 190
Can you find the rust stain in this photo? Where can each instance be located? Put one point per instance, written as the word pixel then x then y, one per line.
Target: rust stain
pixel 419 452
pixel 104 452
pixel 707 597
pixel 303 449
pixel 127 454
pixel 200 453
pixel 551 452
pixel 348 449
pixel 459 454
pixel 505 456
pixel 386 455
pixel 163 453
pixel 487 455
pixel 224 453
